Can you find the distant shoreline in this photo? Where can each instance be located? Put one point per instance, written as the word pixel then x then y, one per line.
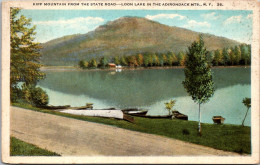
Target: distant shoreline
pixel 70 68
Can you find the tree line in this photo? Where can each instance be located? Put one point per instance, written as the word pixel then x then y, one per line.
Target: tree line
pixel 237 55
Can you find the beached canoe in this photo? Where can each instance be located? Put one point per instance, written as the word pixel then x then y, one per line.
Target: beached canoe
pixel 117 114
pixel 135 112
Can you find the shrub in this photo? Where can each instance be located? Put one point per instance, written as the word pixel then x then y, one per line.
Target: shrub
pixel 185 131
pixel 39 97
pixel 34 95
pixel 15 94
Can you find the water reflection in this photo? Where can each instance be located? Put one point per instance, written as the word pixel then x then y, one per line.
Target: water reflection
pixel 147 88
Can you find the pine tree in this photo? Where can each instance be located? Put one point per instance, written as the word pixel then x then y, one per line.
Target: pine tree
pixel 123 61
pixel 116 60
pixel 103 62
pixel 198 77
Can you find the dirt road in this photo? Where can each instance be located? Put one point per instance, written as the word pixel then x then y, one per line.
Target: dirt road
pixel 67 136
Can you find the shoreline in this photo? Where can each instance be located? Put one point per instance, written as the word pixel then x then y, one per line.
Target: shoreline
pixel 210 134
pixel 73 68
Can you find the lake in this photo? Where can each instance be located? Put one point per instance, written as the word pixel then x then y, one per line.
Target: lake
pixel 150 89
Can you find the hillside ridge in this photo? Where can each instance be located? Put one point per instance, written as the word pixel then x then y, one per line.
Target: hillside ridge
pixel 123 37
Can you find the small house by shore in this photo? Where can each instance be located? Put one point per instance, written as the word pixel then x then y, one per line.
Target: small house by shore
pixel 111 65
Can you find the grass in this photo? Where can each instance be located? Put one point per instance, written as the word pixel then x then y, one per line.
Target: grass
pixel 21 148
pixel 226 137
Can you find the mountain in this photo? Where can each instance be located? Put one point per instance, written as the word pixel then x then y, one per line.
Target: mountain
pixel 122 37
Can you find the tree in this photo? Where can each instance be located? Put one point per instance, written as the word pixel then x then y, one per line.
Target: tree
pixel 156 60
pixel 237 53
pixel 132 61
pixel 182 58
pixel 164 59
pixel 140 59
pixel 225 56
pixel 198 77
pixel 83 64
pixel 25 55
pixel 169 105
pixel 146 60
pixel 123 61
pixel 247 102
pixel 103 62
pixel 231 56
pixel 209 56
pixel 116 60
pixel 93 63
pixel 248 55
pixel 217 58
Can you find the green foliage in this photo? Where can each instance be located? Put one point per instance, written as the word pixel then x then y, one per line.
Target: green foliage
pixel 83 64
pixel 182 58
pixel 237 53
pixel 93 63
pixel 103 62
pixel 21 148
pixel 225 56
pixel 185 131
pixel 247 102
pixel 123 61
pixel 146 60
pixel 25 54
pixel 218 59
pixel 198 78
pixel 34 95
pixel 39 97
pixel 169 105
pixel 117 60
pixel 231 56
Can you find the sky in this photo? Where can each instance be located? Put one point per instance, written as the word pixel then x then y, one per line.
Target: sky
pixel 232 24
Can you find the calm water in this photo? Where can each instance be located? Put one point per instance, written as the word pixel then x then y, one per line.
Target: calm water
pixel 150 89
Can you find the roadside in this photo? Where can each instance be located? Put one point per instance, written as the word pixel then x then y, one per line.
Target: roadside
pixel 20 148
pixel 67 136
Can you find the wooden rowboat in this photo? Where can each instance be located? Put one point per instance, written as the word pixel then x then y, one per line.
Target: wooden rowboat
pixel 218 119
pixel 52 107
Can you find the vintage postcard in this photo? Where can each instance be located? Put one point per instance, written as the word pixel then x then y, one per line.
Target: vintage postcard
pixel 130 82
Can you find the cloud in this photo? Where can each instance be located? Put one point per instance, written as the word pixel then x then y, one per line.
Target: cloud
pixel 210 16
pixel 47 30
pixel 83 24
pixel 165 16
pixel 249 16
pixel 193 23
pixel 233 19
pixel 78 20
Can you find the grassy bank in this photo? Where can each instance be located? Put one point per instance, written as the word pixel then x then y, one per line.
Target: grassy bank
pixel 21 148
pixel 225 137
